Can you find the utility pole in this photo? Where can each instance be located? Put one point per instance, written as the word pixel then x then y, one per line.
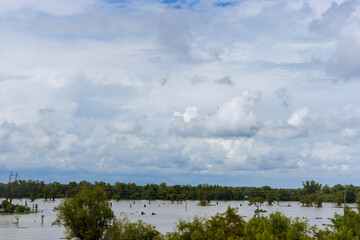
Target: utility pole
pixel 15 185
pixel 11 190
pixel 8 188
pixel 345 195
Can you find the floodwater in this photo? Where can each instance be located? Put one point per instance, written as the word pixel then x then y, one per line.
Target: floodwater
pixel 162 214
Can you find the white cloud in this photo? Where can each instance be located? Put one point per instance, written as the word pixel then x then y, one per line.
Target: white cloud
pixel 298 125
pixel 233 118
pixel 280 130
pixel 298 117
pixel 68 141
pixel 301 123
pixel 189 114
pixel 341 23
pixel 329 152
pixel 350 132
pixel 231 156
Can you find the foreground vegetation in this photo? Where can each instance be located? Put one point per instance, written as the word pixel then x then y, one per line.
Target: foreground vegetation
pixel 88 216
pixel 312 193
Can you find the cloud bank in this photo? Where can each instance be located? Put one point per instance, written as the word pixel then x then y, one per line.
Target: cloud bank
pixel 180 91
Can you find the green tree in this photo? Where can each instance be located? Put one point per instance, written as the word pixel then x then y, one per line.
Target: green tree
pixel 32 197
pixel 350 194
pixel 307 200
pixel 357 198
pixel 151 191
pixel 338 198
pixel 310 187
pixel 318 198
pixel 87 216
pixel 326 189
pixel 226 225
pixel 346 226
pixel 123 229
pixel 222 226
pixel 7 207
pixel 270 197
pixel 257 201
pixel 189 230
pixel 203 203
pixel 276 227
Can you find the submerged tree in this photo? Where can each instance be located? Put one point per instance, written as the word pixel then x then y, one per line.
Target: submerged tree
pixel 307 200
pixel 310 187
pixel 257 201
pixel 318 198
pixel 87 216
pixel 269 195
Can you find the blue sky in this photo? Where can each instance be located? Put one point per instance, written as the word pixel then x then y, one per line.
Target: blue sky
pixel 242 93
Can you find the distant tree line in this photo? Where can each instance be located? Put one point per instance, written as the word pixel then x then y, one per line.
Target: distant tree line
pixel 312 193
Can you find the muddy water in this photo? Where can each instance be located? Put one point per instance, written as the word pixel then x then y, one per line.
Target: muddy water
pixel 30 226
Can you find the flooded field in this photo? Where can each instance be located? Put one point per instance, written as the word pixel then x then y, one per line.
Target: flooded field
pixel 162 214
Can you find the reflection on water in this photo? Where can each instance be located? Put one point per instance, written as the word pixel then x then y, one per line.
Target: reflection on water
pixel 30 226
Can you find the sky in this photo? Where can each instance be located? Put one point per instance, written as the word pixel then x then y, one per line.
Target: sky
pixel 239 93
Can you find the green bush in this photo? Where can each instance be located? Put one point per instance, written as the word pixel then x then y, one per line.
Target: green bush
pixel 203 203
pixel 21 209
pixel 123 229
pixel 345 226
pixel 231 226
pixel 10 208
pixel 7 207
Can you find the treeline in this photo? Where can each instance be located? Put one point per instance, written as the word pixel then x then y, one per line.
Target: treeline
pixel 312 193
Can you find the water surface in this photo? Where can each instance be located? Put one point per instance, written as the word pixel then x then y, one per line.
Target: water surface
pixel 167 214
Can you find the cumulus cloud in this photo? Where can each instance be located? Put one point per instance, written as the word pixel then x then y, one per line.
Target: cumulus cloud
pixel 232 156
pixel 297 118
pixel 189 114
pixel 334 18
pixel 297 125
pixel 346 61
pixel 302 123
pixel 341 23
pixel 233 118
pixel 332 156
